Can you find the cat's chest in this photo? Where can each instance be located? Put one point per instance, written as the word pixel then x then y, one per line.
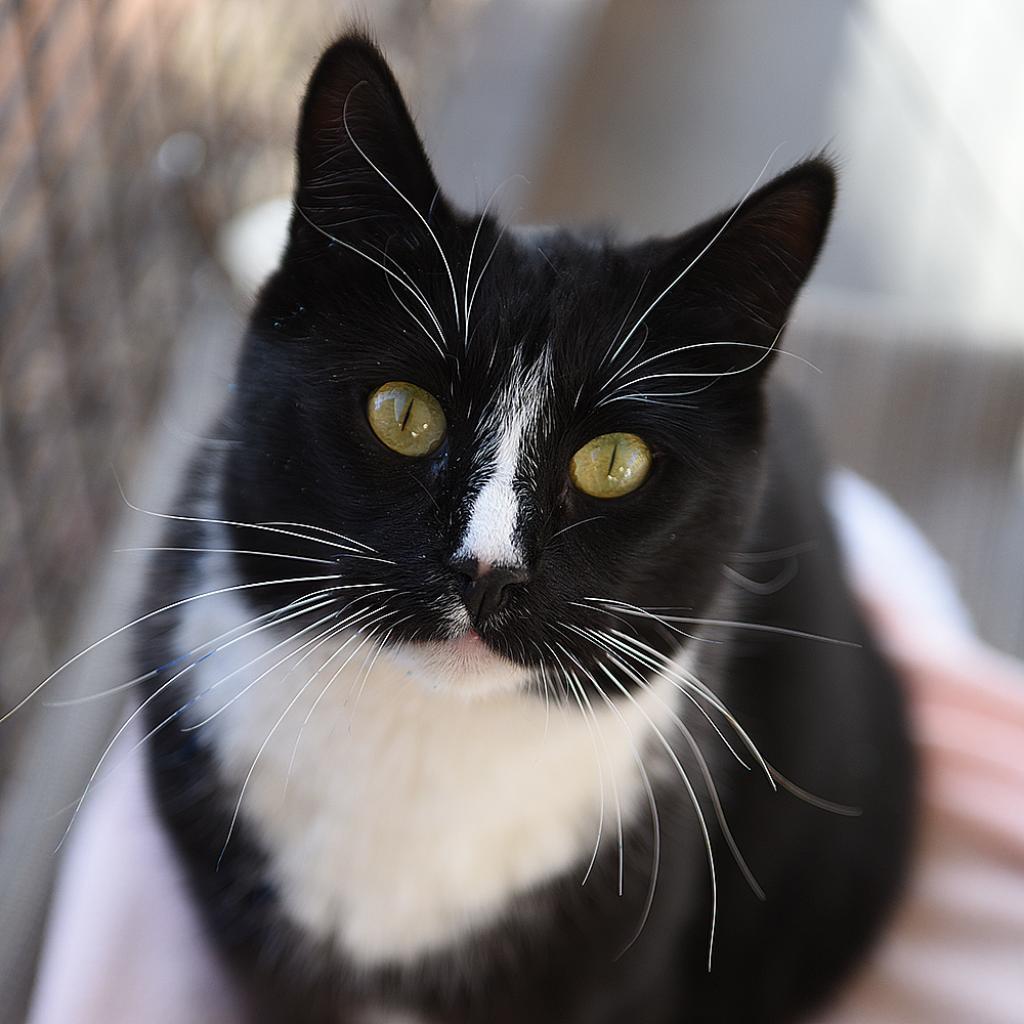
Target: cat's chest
pixel 397 818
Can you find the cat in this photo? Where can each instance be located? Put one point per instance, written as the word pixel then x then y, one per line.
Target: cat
pixel 511 673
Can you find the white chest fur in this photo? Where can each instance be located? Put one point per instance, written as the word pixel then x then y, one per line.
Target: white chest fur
pixel 399 816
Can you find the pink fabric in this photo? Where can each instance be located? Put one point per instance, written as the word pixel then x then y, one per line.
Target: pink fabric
pixel 124 945
pixel 954 953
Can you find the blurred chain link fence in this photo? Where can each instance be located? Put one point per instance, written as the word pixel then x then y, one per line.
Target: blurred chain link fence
pixel 130 130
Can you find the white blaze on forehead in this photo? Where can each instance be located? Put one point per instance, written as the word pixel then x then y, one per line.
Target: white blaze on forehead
pixel 491 532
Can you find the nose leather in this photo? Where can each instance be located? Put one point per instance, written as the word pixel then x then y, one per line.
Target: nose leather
pixel 486 592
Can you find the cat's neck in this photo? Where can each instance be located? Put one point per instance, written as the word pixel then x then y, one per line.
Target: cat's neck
pixel 398 815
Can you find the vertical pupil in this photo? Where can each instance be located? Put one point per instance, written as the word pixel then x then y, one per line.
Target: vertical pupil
pixel 611 461
pixel 403 409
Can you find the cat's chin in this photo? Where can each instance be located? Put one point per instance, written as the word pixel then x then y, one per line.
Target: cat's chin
pixel 465 666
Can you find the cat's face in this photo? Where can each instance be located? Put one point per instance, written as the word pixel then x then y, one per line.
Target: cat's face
pixel 520 433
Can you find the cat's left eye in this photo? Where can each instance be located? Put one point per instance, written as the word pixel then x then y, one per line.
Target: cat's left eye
pixel 611 465
pixel 406 418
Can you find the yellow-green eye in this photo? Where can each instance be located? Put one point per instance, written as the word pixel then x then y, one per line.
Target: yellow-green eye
pixel 611 465
pixel 406 418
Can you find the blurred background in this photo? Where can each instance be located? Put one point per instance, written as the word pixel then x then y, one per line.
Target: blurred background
pixel 145 150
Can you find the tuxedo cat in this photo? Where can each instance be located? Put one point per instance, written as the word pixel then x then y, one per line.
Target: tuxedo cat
pixel 512 675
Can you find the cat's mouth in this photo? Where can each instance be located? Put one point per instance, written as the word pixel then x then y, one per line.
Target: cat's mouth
pixel 470 651
pixel 467 663
pixel 470 644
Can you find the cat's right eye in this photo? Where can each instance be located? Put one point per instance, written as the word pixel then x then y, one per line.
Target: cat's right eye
pixel 406 418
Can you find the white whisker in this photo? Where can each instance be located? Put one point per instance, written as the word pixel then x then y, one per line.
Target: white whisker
pixel 305 603
pixel 141 708
pixel 714 238
pixel 765 349
pixel 320 529
pixel 401 195
pixel 705 772
pixel 693 800
pixel 716 375
pixel 229 522
pixel 726 623
pixel 815 801
pixel 652 803
pixel 572 526
pixel 667 668
pixel 632 306
pixel 335 628
pixel 152 614
pixel 439 342
pixel 387 270
pixel 480 277
pixel 229 551
pixel 334 654
pixel 682 684
pixel 615 788
pixel 252 768
pixel 372 653
pixel 467 307
pixel 575 688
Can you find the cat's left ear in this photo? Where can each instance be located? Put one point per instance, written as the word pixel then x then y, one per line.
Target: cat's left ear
pixel 742 270
pixel 361 167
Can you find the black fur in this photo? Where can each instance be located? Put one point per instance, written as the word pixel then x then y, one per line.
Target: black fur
pixel 735 477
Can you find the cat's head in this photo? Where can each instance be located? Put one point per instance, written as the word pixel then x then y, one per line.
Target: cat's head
pixel 519 434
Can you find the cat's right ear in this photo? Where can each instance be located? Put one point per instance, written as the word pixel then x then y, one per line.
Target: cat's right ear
pixel 361 167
